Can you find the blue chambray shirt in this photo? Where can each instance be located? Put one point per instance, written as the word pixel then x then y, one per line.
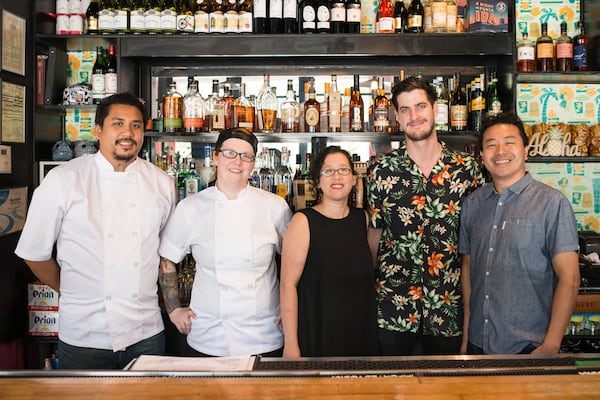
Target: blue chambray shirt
pixel 511 239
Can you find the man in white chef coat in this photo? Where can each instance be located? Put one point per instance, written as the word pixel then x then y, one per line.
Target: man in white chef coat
pixel 104 212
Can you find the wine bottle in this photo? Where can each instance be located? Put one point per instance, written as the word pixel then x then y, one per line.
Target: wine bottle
pixel 353 16
pixel 580 51
pixel 245 16
pixel 111 83
pixel 261 16
pixel 400 17
pixel 185 17
pixel 477 109
pixel 137 18
pixel 276 16
pixel 385 17
pixel 231 16
pixel 106 17
pixel 439 16
pixel 308 16
pixel 564 50
pixel 152 17
pixel 168 17
pixel 492 97
pixel 98 84
pixel 290 16
pixel 337 12
pixel 121 18
pixel 323 17
pixel 357 108
pixel 544 49
pixel 91 18
pixel 415 17
pixel 202 16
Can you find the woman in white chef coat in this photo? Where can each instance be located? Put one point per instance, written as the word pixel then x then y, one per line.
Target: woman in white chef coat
pixel 233 231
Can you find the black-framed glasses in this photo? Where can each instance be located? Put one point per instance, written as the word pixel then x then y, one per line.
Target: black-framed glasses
pixel 231 154
pixel 341 171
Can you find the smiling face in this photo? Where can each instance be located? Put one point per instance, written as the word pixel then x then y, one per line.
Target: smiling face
pixel 121 135
pixel 416 115
pixel 233 171
pixel 336 186
pixel 504 154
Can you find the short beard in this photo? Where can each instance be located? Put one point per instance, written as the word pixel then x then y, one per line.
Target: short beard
pixel 416 138
pixel 124 158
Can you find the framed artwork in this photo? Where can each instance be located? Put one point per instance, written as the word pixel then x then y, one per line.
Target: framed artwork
pixel 13 43
pixel 13 209
pixel 13 113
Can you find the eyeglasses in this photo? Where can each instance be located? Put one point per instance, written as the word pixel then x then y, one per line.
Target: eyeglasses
pixel 231 154
pixel 341 171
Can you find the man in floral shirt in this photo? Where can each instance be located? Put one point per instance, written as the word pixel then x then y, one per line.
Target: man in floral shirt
pixel 415 195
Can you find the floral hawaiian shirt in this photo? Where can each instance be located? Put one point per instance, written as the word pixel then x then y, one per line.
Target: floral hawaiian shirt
pixel 418 277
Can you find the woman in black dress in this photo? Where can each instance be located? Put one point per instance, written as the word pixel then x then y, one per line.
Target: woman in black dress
pixel 327 290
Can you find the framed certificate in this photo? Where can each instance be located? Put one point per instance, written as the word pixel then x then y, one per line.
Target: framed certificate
pixel 12 109
pixel 13 43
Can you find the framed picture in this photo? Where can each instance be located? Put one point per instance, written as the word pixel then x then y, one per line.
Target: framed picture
pixel 13 43
pixel 13 113
pixel 45 167
pixel 13 209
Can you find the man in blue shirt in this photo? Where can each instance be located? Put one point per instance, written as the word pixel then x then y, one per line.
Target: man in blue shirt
pixel 518 238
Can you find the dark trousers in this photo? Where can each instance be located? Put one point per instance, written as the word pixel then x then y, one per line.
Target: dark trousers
pixel 392 343
pixel 74 357
pixel 189 351
pixel 476 350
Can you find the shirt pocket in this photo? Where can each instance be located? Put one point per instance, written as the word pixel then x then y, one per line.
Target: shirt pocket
pixel 518 233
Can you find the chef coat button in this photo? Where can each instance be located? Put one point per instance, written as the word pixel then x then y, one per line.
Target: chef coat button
pixel 136 264
pixel 250 286
pixel 253 317
pixel 131 205
pixel 247 260
pixel 134 296
pixel 134 233
pixel 220 262
pixel 108 297
pixel 110 235
pixel 225 317
pixel 224 288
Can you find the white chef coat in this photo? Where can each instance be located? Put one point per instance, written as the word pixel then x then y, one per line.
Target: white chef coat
pixel 106 226
pixel 236 292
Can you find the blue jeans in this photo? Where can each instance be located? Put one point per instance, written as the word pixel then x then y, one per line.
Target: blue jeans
pixel 73 357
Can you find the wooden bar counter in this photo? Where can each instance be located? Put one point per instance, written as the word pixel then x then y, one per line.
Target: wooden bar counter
pixel 532 378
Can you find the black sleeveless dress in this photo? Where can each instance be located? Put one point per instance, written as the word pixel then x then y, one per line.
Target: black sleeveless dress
pixel 336 292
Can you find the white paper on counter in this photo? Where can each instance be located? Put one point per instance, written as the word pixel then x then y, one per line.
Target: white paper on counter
pixel 193 364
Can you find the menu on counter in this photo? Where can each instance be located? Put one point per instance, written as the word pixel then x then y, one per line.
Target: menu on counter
pixel 192 364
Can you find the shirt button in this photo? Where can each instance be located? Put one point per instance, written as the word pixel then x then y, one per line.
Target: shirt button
pixel 487 296
pixel 225 317
pixel 247 260
pixel 219 262
pixel 224 288
pixel 485 320
pixel 136 264
pixel 250 286
pixel 134 296
pixel 253 317
pixel 495 226
pixel 134 233
pixel 500 203
pixel 108 298
pixel 131 205
pixel 491 249
pixel 110 235
pixel 487 272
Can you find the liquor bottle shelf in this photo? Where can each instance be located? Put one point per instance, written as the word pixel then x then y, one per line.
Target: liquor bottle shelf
pixel 558 77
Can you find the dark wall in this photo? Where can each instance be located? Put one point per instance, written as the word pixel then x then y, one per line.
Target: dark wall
pixel 14 274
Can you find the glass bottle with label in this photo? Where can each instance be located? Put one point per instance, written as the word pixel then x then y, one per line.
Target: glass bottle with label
pixel 451 15
pixel 172 110
pixel 439 16
pixel 442 116
pixel 427 16
pixel 525 54
pixel 217 16
pixel 193 108
pixel 308 16
pixel 202 16
pixel 477 109
pixel 492 97
pixel 231 16
pixel 415 17
pixel 137 17
pixel 261 20
pixel 168 17
pixel 458 107
pixel 243 110
pixel 106 17
pixel 334 107
pixel 337 14
pixel 323 17
pixel 266 107
pixel 91 17
pixel 357 108
pixel 121 18
pixel 98 83
pixel 284 177
pixel 207 172
pixel 152 17
pixel 111 84
pixel 245 16
pixel 209 111
pixel 580 50
pixel 400 17
pixel 385 17
pixel 276 16
pixel 353 16
pixel 185 17
pixel 564 50
pixel 192 181
pixel 312 110
pixel 544 49
pixel 381 107
pixel 290 111
pixel 290 16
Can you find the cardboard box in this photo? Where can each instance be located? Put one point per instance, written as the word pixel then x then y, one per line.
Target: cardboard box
pixel 43 323
pixel 488 16
pixel 79 124
pixel 41 297
pixel 80 66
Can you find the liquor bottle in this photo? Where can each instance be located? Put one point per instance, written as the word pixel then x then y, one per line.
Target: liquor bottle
pixel 225 105
pixel 172 110
pixel 451 16
pixel 261 16
pixel 202 16
pixel 439 16
pixel 312 110
pixel 266 172
pixel 290 111
pixel 385 17
pixel 290 16
pixel 207 171
pixel 381 107
pixel 564 50
pixel 400 17
pixel 525 54
pixel 152 16
pixel 231 16
pixel 324 110
pixel 477 109
pixel 91 18
pixel 580 50
pixel 353 16
pixel 193 184
pixel 137 17
pixel 544 49
pixel 442 115
pixel 334 107
pixel 310 192
pixel 323 17
pixel 182 171
pixel 357 108
pixel 276 16
pixel 106 17
pixel 415 17
pixel 427 17
pixel 243 110
pixel 308 16
pixel 111 84
pixel 458 107
pixel 492 98
pixel 121 18
pixel 284 177
pixel 193 108
pixel 298 200
pixel 266 107
pixel 217 16
pixel 337 12
pixel 245 16
pixel 185 17
pixel 98 84
pixel 209 110
pixel 168 17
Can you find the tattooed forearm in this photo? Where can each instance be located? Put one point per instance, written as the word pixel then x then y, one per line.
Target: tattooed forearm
pixel 167 278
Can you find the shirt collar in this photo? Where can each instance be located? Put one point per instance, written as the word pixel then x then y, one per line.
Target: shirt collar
pixel 516 187
pixel 106 167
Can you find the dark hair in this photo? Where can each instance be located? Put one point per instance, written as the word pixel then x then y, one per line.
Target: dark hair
pixel 124 98
pixel 314 171
pixel 507 118
pixel 237 133
pixel 410 84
